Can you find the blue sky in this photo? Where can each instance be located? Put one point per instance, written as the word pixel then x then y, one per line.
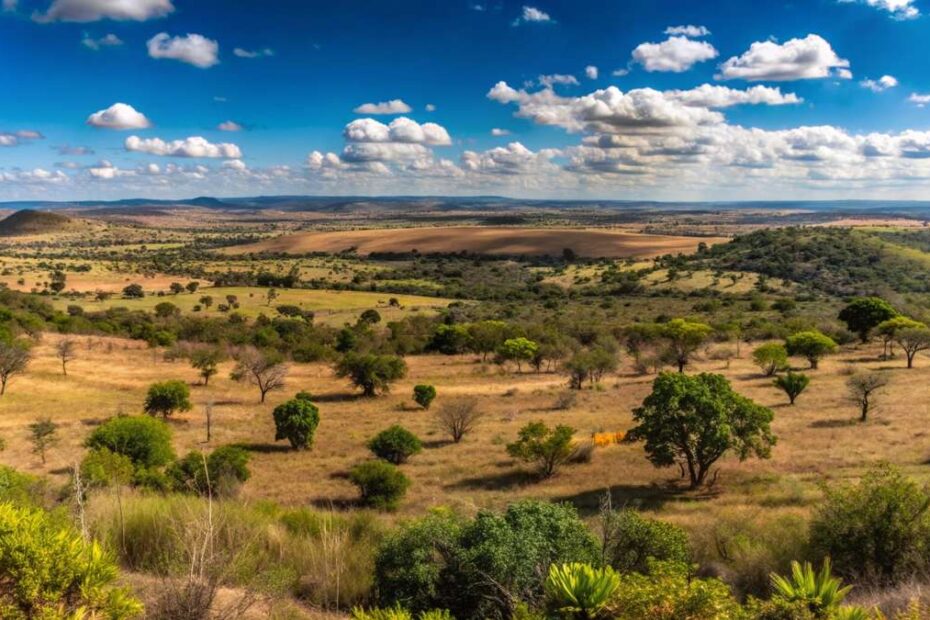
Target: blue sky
pixel 805 99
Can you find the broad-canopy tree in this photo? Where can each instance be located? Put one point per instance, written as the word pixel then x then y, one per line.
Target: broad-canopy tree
pixel 296 421
pixel 912 336
pixel 518 350
pixel 692 421
pixel 771 358
pixel 811 345
pixel 684 338
pixel 371 372
pixel 166 397
pixel 864 314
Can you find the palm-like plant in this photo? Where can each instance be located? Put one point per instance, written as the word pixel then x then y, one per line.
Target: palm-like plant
pixel 580 590
pixel 820 591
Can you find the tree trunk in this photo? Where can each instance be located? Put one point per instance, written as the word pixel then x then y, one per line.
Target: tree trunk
pixel 865 412
pixel 681 365
pixel 814 361
pixel 910 358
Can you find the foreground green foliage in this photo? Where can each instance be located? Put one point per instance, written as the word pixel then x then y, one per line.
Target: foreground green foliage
pixel 579 590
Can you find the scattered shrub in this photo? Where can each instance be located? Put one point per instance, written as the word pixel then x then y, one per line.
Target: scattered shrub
pixel 424 395
pixel 297 421
pixel 220 474
pixel 166 397
pixel 395 444
pixel 792 384
pixel 380 484
pixel 146 441
pixel 548 448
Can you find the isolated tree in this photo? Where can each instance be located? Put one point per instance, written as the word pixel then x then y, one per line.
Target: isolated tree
pixel 176 288
pixel 133 291
pixel 43 434
pixel 424 395
pixel 548 448
pixel 684 338
pixel 14 357
pixel 864 389
pixel 811 345
pixel 692 421
pixel 58 281
pixel 395 445
pixel 864 314
pixel 458 417
pixel 371 372
pixel 370 317
pixel 206 301
pixel 263 369
pixel 206 362
pixel 771 358
pixel 166 309
pixel 167 397
pixel 912 336
pixel 192 286
pixel 65 350
pixel 518 350
pixel 271 295
pixel 792 384
pixel 296 421
pixel 589 364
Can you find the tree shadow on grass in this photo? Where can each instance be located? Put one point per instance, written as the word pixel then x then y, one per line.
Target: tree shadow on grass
pixel 642 496
pixel 835 423
pixel 497 482
pixel 264 448
pixel 340 397
pixel 336 505
pixel 434 444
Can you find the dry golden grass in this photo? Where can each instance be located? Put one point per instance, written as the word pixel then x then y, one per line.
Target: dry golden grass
pixel 588 242
pixel 817 438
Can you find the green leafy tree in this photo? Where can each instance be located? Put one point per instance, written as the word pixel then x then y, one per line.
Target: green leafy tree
pixel 485 337
pixel 50 572
pixel 44 434
pixel 579 590
pixel 133 291
pixel 518 350
pixel 684 338
pixel 864 314
pixel 14 358
pixel 912 336
pixel 548 448
pixel 371 372
pixel 380 484
pixel 811 345
pixel 424 395
pixel 771 358
pixel 450 339
pixel 692 421
pixel 370 317
pixel 206 361
pixel 296 421
pixel 395 444
pixel 166 309
pixel 167 397
pixel 144 440
pixel 192 286
pixel 792 384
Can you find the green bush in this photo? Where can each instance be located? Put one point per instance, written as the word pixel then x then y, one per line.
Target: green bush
pixel 146 441
pixel 771 358
pixel 631 541
pixel 671 592
pixel 424 395
pixel 50 572
pixel 395 444
pixel 875 530
pixel 296 421
pixel 166 397
pixel 380 484
pixel 220 474
pixel 445 562
pixel 548 448
pixel 792 384
pixel 398 613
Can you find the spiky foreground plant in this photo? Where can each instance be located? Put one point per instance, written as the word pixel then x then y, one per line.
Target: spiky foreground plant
pixel 580 590
pixel 820 591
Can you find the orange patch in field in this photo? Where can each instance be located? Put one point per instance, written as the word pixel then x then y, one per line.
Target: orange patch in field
pixel 595 243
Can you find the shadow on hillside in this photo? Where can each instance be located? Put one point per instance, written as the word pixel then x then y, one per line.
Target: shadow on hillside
pixel 340 397
pixel 640 496
pixel 264 448
pixel 496 482
pixel 834 423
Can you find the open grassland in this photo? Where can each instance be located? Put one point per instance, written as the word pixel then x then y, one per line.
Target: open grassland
pixel 331 307
pixel 818 438
pixel 514 241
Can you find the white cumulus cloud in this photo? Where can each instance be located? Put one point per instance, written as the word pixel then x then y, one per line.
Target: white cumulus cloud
pixel 244 53
pixel 591 72
pixel 881 84
pixel 96 10
pixel 394 106
pixel 194 49
pixel 531 14
pixel 796 59
pixel 899 9
pixel 194 146
pixel 229 126
pixel 119 116
pixel 675 54
pixel 110 40
pixel 688 31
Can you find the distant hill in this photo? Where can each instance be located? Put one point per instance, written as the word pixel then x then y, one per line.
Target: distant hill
pixel 30 222
pixel 838 261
